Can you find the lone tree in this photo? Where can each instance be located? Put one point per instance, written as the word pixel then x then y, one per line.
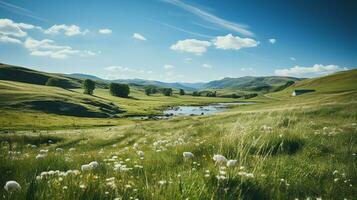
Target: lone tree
pixel 56 82
pixel 88 86
pixel 119 90
pixel 196 94
pixel 167 91
pixel 182 92
pixel 150 90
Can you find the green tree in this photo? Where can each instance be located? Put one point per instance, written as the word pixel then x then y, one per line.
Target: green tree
pixel 182 92
pixel 167 91
pixel 88 86
pixel 150 90
pixel 119 90
pixel 196 94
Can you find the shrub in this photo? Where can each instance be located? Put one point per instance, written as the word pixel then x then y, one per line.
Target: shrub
pixel 167 91
pixel 196 94
pixel 211 94
pixel 182 92
pixel 150 90
pixel 119 90
pixel 88 86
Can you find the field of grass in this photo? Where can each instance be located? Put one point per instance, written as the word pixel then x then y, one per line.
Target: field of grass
pixel 286 148
pixel 18 112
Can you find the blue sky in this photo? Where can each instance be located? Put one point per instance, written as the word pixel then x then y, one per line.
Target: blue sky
pixel 180 40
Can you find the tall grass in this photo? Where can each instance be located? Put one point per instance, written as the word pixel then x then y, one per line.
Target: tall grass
pixel 281 155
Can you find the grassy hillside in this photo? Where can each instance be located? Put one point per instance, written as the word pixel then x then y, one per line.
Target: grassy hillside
pixel 23 96
pixel 20 103
pixel 344 81
pixel 249 83
pixel 20 74
pixel 286 148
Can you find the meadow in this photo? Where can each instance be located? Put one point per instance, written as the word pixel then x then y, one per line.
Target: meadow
pixel 283 147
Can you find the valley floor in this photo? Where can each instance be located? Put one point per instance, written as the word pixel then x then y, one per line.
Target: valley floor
pixel 285 149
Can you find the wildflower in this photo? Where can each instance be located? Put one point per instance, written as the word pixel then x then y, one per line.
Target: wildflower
pixel 40 156
pixel 140 154
pixel 59 150
pixel 221 177
pixel 231 163
pixel 65 187
pixel 219 159
pixel 188 155
pixel 86 167
pixel 93 164
pixel 12 186
pixel 72 149
pixel 44 151
pixel 334 172
pixel 162 182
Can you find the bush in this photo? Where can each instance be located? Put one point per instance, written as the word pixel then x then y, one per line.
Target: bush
pixel 248 96
pixel 88 86
pixel 150 90
pixel 167 91
pixel 119 90
pixel 211 94
pixel 182 92
pixel 56 82
pixel 196 94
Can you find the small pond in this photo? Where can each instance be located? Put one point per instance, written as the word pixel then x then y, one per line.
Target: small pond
pixel 201 110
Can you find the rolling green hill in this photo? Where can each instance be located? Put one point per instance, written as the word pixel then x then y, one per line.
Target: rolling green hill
pixel 31 97
pixel 25 75
pixel 249 83
pixel 345 81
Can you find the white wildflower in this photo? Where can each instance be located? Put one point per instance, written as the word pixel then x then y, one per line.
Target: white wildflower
pixel 231 163
pixel 140 154
pixel 219 159
pixel 12 186
pixel 188 155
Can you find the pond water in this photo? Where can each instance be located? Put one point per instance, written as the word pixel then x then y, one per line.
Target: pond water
pixel 201 110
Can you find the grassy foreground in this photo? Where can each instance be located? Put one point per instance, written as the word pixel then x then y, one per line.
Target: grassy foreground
pixel 300 152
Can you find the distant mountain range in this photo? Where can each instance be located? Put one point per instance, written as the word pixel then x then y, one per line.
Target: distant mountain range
pixel 247 83
pixel 243 83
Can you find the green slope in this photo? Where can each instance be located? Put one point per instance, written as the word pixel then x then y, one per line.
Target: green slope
pixel 24 96
pixel 345 81
pixel 21 74
pixel 249 83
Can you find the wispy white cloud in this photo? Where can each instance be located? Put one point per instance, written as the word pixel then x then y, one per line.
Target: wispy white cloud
pixel 138 36
pixel 315 70
pixel 197 47
pixel 48 48
pixel 119 71
pixel 208 66
pixel 233 42
pixel 7 39
pixel 185 31
pixel 105 31
pixel 228 25
pixel 68 30
pixel 168 67
pixel 292 58
pixel 10 28
pixel 272 40
pixel 19 10
pixel 243 69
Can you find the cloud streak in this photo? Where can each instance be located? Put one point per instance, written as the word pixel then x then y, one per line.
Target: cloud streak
pixel 19 10
pixel 228 25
